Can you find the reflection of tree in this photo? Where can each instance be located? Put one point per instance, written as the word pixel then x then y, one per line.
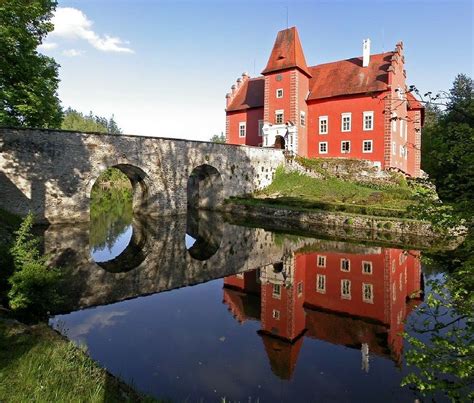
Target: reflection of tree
pixel 442 330
pixel 111 215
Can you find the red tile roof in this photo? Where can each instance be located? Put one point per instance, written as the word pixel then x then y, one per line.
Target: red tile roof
pixel 348 77
pixel 249 95
pixel 287 53
pixel 413 103
pixel 344 77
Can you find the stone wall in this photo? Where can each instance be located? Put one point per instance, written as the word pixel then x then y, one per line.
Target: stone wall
pixel 51 173
pixel 396 232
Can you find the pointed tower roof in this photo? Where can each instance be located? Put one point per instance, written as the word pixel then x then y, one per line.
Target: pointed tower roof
pixel 282 354
pixel 287 53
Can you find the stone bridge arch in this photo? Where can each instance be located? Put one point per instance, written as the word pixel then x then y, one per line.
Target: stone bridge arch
pixel 141 182
pixel 134 253
pixel 205 188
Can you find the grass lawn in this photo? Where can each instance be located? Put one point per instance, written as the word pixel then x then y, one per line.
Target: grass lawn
pixel 296 190
pixel 38 365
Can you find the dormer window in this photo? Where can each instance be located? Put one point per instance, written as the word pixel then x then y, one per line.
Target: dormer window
pixel 279 93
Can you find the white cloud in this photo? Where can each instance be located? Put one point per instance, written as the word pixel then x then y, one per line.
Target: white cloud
pixel 48 46
pixel 72 52
pixel 71 23
pixel 99 320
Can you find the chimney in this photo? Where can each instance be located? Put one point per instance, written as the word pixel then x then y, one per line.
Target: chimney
pixel 366 52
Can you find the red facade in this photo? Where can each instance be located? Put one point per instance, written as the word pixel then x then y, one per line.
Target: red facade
pixel 355 108
pixel 351 299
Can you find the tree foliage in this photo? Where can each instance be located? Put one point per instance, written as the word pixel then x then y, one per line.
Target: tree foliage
pixel 77 121
pixel 218 138
pixel 448 144
pixel 28 79
pixel 441 332
pixel 34 285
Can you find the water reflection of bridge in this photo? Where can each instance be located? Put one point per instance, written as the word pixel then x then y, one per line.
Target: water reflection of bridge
pixel 157 258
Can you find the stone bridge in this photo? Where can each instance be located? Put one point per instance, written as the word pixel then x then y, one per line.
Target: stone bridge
pixel 51 173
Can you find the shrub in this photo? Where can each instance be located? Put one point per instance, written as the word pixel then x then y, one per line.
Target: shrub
pixel 33 283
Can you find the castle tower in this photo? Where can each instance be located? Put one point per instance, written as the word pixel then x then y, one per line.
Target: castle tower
pixel 286 87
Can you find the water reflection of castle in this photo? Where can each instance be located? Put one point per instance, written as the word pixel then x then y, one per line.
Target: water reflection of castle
pixel 356 300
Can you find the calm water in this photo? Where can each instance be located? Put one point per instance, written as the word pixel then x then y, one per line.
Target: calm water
pixel 194 308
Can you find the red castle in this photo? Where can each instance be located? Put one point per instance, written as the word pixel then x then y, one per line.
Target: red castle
pixel 355 108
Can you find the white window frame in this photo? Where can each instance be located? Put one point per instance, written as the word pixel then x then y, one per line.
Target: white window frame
pixel 371 146
pixel 299 289
pixel 242 125
pixel 302 118
pixel 345 141
pixel 400 94
pixel 276 314
pixel 346 115
pixel 394 148
pixel 346 295
pixel 394 119
pixel 282 113
pixel 370 299
pixel 323 143
pixel 402 151
pixel 348 265
pixel 368 114
pixel 321 283
pixel 323 261
pixel 260 127
pixel 369 265
pixel 402 128
pixel 276 294
pixel 279 93
pixel 321 120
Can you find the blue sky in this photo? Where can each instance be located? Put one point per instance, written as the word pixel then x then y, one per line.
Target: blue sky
pixel 165 67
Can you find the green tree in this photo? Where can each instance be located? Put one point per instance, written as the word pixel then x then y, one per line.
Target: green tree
pixel 112 126
pixel 218 138
pixel 441 331
pixel 448 145
pixel 28 79
pixel 77 121
pixel 34 285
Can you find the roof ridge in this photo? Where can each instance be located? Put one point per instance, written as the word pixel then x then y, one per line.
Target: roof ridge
pixel 350 58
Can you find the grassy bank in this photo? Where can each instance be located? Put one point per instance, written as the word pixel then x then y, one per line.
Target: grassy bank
pixel 298 191
pixel 39 365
